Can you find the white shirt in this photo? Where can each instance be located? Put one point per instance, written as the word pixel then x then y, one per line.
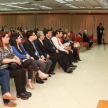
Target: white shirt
pixel 25 30
pixel 55 42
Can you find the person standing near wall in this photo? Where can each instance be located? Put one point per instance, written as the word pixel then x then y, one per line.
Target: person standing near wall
pixel 100 29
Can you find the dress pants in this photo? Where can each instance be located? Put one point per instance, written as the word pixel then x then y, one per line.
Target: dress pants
pixel 90 44
pixel 75 53
pixel 4 82
pixel 19 76
pixel 69 57
pixel 99 38
pixel 61 60
pixel 44 67
pixel 54 60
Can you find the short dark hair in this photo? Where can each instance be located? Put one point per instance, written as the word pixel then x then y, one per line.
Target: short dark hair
pixel 64 33
pixel 46 31
pixel 29 33
pixel 56 32
pixel 100 23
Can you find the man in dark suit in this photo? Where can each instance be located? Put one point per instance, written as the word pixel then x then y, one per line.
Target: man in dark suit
pixel 100 29
pixel 51 49
pixel 32 49
pixel 40 44
pixel 86 39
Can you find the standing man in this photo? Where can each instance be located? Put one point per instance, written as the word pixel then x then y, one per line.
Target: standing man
pixel 100 29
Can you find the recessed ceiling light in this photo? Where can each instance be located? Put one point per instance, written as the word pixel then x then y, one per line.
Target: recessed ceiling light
pixel 98 7
pixel 69 0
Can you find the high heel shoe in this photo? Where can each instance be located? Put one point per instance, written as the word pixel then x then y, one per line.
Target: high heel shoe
pixel 43 76
pixel 29 85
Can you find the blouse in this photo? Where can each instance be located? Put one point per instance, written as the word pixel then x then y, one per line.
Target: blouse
pixel 6 54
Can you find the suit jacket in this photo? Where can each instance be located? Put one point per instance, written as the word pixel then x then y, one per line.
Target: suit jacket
pixel 85 38
pixel 30 49
pixel 41 47
pixel 49 46
pixel 98 30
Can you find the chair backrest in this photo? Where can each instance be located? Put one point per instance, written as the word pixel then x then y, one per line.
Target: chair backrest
pixel 81 39
pixel 24 35
pixel 78 39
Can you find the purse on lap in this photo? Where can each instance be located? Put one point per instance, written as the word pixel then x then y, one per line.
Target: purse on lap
pixel 13 65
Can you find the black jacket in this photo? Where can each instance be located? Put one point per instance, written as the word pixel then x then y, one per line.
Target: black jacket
pixel 41 47
pixel 85 38
pixel 30 49
pixel 49 46
pixel 98 30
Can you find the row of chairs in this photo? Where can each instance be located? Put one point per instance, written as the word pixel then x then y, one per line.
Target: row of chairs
pixel 80 40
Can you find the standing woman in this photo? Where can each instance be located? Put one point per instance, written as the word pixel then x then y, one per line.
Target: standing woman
pixel 7 56
pixel 28 62
pixel 5 88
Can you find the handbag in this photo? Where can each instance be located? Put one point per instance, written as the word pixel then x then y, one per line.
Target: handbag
pixel 13 65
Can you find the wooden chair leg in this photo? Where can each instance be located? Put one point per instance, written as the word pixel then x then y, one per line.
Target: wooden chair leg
pixel 58 66
pixel 34 77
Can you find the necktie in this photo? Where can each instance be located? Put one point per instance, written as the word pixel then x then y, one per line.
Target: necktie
pixel 52 44
pixel 37 53
pixel 59 42
pixel 42 43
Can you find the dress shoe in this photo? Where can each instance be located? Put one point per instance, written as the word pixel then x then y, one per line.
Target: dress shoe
pixel 8 97
pixel 10 104
pixel 69 72
pixel 40 82
pixel 52 73
pixel 79 60
pixel 75 61
pixel 70 69
pixel 73 65
pixel 28 93
pixel 49 75
pixel 45 79
pixel 23 96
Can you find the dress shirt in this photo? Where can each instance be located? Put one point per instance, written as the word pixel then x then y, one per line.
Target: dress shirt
pixel 58 44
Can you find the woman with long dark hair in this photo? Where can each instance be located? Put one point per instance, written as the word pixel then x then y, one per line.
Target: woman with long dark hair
pixel 27 61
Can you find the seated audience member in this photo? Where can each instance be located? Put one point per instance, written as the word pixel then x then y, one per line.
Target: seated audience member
pixel 20 29
pixel 52 50
pixel 86 39
pixel 27 61
pixel 32 50
pixel 5 88
pixel 42 50
pixel 5 28
pixel 68 54
pixel 11 30
pixel 2 29
pixel 8 57
pixel 26 29
pixel 80 33
pixel 75 47
pixel 68 46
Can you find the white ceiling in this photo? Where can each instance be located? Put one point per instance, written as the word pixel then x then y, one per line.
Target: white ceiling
pixel 53 6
